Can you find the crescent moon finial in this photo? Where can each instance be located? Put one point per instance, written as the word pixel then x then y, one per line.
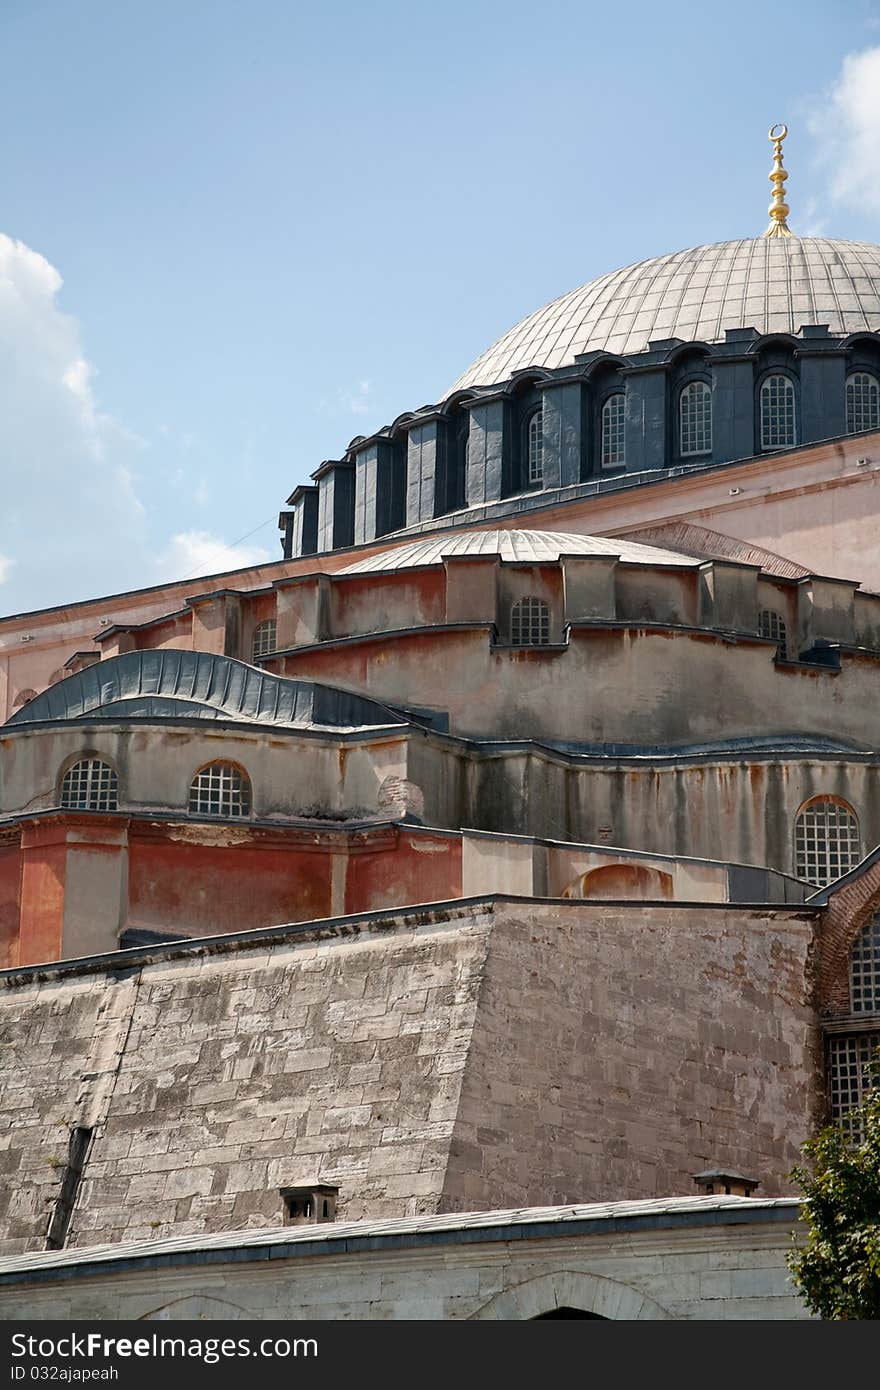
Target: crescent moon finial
pixel 778 206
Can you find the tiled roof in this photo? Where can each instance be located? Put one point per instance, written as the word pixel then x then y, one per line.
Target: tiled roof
pixel 774 285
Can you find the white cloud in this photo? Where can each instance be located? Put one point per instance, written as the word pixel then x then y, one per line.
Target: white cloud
pixel 350 400
pixel 193 553
pixel 847 129
pixel 71 524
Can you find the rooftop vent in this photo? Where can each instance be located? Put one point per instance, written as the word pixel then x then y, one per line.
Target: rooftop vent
pixel 725 1182
pixel 309 1206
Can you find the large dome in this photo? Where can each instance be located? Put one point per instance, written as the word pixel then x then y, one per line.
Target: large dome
pixel 773 284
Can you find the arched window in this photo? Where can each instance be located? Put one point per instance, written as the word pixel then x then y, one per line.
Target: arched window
pixel 695 419
pixel 90 785
pixel 24 697
pixel 613 416
pixel 772 625
pixel 220 789
pixel 535 449
pixel 864 969
pixel 862 402
pixel 826 840
pixel 777 412
pixel 849 1053
pixel 264 638
pixel 530 622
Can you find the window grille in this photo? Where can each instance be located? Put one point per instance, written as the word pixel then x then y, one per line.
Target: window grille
pixel 864 969
pixel 777 413
pixel 848 1054
pixel 220 789
pixel 613 417
pixel 695 419
pixel 530 623
pixel 90 785
pixel 535 471
pixel 772 625
pixel 862 402
pixel 826 841
pixel 264 638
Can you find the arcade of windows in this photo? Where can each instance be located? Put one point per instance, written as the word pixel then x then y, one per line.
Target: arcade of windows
pixel 850 1052
pixel 777 420
pixel 218 789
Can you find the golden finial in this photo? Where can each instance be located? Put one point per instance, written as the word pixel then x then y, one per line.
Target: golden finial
pixel 778 206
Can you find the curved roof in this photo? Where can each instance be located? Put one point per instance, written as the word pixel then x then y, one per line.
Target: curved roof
pixel 773 284
pixel 199 685
pixel 513 546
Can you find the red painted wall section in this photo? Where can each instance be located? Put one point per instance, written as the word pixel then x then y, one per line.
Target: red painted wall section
pixel 424 868
pixel 10 903
pixel 383 602
pixel 206 889
pixel 44 864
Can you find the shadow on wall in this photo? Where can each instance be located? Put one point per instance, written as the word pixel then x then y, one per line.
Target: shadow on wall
pixel 621 881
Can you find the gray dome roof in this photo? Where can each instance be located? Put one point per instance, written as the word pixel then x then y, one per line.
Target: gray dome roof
pixel 529 546
pixel 773 284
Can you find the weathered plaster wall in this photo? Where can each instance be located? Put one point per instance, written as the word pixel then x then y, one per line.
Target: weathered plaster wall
pixel 448 1059
pixel 679 686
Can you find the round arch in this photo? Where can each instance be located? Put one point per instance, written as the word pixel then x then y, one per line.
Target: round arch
pixel 588 1294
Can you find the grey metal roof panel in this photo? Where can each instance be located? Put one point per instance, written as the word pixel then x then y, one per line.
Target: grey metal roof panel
pixel 334 1234
pixel 775 285
pixel 167 684
pixel 517 547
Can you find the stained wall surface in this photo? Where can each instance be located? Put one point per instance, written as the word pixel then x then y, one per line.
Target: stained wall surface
pixel 489 1054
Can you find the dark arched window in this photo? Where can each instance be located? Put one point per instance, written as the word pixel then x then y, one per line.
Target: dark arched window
pixel 772 626
pixel 695 419
pixel 862 402
pixel 90 785
pixel 826 840
pixel 535 449
pixel 778 425
pixel 530 622
pixel 264 638
pixel 850 1052
pixel 220 789
pixel 613 418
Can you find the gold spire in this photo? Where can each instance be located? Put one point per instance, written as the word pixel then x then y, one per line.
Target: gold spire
pixel 778 206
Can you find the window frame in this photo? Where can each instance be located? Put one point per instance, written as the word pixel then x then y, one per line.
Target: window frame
pixel 225 812
pixel 874 381
pixel 780 638
pixel 764 385
pixel 613 395
pixel 538 612
pixel 530 483
pixel 92 761
pixel 826 799
pixel 264 623
pixel 685 387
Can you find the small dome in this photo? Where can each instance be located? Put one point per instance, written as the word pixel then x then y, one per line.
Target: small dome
pixel 773 284
pixel 528 546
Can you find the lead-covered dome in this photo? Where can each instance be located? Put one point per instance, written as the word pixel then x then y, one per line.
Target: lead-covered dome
pixel 773 284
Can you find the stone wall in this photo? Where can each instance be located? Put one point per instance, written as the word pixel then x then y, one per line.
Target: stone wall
pixel 482 1055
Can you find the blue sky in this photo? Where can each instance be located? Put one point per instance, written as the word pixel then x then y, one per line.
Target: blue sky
pixel 279 226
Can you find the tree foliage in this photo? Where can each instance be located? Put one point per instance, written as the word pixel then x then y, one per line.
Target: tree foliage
pixel 837 1268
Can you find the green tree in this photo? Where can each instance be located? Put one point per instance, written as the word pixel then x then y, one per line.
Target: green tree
pixel 837 1268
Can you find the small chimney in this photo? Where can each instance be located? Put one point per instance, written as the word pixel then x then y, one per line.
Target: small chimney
pixel 725 1182
pixel 309 1206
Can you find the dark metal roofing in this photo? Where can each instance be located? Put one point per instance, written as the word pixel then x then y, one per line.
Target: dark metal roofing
pixel 170 684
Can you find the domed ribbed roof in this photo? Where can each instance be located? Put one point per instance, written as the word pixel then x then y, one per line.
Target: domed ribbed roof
pixel 530 546
pixel 773 284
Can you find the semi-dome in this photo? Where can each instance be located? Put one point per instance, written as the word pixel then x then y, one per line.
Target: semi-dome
pixel 515 547
pixel 773 284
